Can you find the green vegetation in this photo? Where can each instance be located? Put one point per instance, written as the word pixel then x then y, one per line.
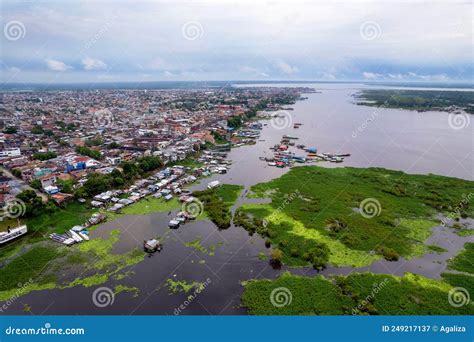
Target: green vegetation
pixel 314 207
pixel 37 130
pixel 34 204
pixel 234 121
pixel 140 166
pixel 27 268
pixel 39 268
pixel 464 261
pixel 296 295
pixel 219 139
pixel 122 288
pixel 190 162
pixel 151 205
pixel 85 151
pixel 113 145
pixel 465 281
pixel 420 100
pixel 218 201
pixel 176 286
pixel 96 141
pixel 361 294
pixel 45 155
pixel 197 246
pixel 97 183
pixel 10 130
pixel 437 249
pixel 65 128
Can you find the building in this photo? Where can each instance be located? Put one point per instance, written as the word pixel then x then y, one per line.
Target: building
pixel 10 152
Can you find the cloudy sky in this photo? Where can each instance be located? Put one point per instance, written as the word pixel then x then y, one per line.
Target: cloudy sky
pixel 120 40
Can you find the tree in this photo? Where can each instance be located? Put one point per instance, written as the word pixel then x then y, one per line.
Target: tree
pixel 37 130
pixel 234 121
pixel 85 151
pixel 16 173
pixel 66 186
pixel 10 130
pixel 36 184
pixel 45 155
pixel 33 204
pixel 96 183
pixel 277 256
pixel 113 145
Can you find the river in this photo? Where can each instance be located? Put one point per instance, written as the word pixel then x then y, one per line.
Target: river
pixel 395 139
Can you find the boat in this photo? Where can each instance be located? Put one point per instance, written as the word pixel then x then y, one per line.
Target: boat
pixel 272 164
pixel 180 219
pixel 174 224
pixel 13 233
pixel 64 239
pixel 76 236
pixel 290 137
pixel 83 234
pixel 213 184
pixel 152 245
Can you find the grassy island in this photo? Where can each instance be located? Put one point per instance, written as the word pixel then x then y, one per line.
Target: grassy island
pixel 218 201
pixel 349 216
pixel 356 294
pixel 420 100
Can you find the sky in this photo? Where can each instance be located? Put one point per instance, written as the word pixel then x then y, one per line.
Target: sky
pixel 68 41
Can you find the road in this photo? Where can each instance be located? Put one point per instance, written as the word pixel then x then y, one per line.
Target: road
pixel 21 184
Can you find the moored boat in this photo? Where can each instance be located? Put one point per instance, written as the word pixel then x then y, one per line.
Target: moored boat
pixel 13 233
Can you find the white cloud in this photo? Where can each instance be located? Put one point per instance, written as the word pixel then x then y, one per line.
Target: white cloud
pixel 371 75
pixel 409 76
pixel 280 38
pixel 93 64
pixel 286 68
pixel 14 70
pixel 56 65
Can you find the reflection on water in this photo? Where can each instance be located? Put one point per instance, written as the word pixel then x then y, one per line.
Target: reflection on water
pixel 395 139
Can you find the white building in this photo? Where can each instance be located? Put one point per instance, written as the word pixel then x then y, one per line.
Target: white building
pixel 10 152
